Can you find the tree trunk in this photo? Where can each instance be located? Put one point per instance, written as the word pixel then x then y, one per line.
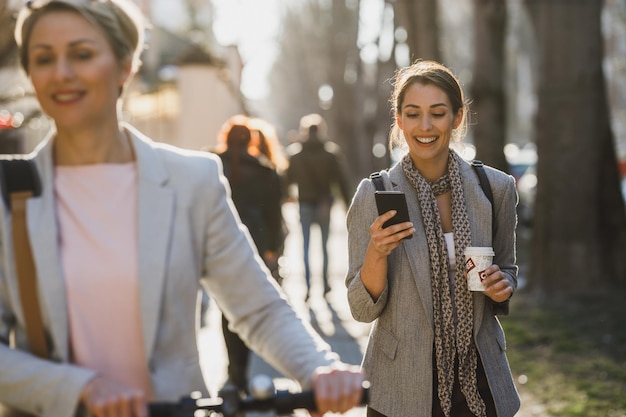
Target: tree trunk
pixel 343 71
pixel 420 20
pixel 301 67
pixel 579 236
pixel 488 88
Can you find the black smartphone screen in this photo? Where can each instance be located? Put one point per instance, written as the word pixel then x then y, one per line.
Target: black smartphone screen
pixel 392 200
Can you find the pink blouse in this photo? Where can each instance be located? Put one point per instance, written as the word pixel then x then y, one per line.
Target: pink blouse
pixel 97 215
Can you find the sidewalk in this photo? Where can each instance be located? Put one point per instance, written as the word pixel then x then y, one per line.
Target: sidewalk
pixel 331 319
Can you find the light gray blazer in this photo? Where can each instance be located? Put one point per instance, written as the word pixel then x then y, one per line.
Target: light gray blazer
pixel 188 230
pixel 398 360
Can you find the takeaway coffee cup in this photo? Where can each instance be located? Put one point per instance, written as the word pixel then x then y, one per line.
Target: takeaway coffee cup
pixel 477 259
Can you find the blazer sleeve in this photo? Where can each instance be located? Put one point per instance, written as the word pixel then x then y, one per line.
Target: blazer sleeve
pixel 255 306
pixel 504 242
pixel 361 215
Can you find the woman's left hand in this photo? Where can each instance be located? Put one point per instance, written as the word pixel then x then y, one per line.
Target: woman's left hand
pixel 338 388
pixel 497 285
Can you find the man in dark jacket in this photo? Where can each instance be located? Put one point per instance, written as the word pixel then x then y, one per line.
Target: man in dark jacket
pixel 316 168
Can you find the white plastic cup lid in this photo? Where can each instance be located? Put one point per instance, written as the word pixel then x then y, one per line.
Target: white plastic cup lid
pixel 479 250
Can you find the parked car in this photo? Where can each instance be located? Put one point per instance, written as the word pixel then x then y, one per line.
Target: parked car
pixel 522 166
pixel 520 158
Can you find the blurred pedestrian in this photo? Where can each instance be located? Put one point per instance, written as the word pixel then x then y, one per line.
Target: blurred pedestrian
pixel 256 193
pixel 436 349
pixel 317 170
pixel 123 233
pixel 265 145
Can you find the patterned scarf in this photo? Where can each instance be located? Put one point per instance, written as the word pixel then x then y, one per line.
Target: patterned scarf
pixel 449 341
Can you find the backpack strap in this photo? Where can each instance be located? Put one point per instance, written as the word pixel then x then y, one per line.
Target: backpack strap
pixel 19 181
pixel 18 174
pixel 377 179
pixel 486 186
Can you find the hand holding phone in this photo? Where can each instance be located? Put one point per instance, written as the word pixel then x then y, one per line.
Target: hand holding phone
pixel 393 200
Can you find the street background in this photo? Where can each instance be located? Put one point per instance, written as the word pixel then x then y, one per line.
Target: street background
pixel 330 317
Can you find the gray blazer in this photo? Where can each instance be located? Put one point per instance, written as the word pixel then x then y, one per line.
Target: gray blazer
pixel 398 360
pixel 188 231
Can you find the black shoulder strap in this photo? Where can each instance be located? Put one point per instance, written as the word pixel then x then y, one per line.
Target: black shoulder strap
pixel 18 173
pixel 377 179
pixel 484 184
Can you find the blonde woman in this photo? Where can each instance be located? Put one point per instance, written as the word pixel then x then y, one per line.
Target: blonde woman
pixel 123 234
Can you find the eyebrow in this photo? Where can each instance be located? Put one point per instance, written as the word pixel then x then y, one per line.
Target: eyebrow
pixel 432 106
pixel 72 44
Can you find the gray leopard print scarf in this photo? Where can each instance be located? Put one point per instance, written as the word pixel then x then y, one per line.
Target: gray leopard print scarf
pixel 450 340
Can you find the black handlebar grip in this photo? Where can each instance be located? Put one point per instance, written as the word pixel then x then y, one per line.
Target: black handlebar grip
pixel 183 408
pixel 365 398
pixel 285 402
pixel 162 409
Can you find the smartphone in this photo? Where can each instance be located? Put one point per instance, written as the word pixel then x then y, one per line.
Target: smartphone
pixel 392 200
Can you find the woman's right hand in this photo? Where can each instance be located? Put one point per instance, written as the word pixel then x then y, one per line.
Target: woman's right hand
pixel 106 398
pixel 384 240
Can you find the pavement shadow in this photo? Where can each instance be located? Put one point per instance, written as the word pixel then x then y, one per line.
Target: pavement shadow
pixel 326 321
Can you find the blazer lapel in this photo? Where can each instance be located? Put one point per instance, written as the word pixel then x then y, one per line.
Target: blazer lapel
pixel 419 259
pixel 154 228
pixel 43 233
pixel 478 212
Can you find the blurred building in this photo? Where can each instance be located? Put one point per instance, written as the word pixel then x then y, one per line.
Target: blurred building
pixel 186 88
pixel 184 93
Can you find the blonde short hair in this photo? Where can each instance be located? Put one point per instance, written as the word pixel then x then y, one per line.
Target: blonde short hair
pixel 121 21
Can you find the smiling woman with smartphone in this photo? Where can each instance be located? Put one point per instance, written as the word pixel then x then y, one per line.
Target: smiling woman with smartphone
pixel 436 348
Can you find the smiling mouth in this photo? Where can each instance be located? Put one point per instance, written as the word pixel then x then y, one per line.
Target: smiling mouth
pixel 66 97
pixel 426 140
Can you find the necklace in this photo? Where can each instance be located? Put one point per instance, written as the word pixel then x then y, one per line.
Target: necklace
pixel 441 185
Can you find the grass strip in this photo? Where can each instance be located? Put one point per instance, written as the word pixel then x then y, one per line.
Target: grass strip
pixel 570 354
